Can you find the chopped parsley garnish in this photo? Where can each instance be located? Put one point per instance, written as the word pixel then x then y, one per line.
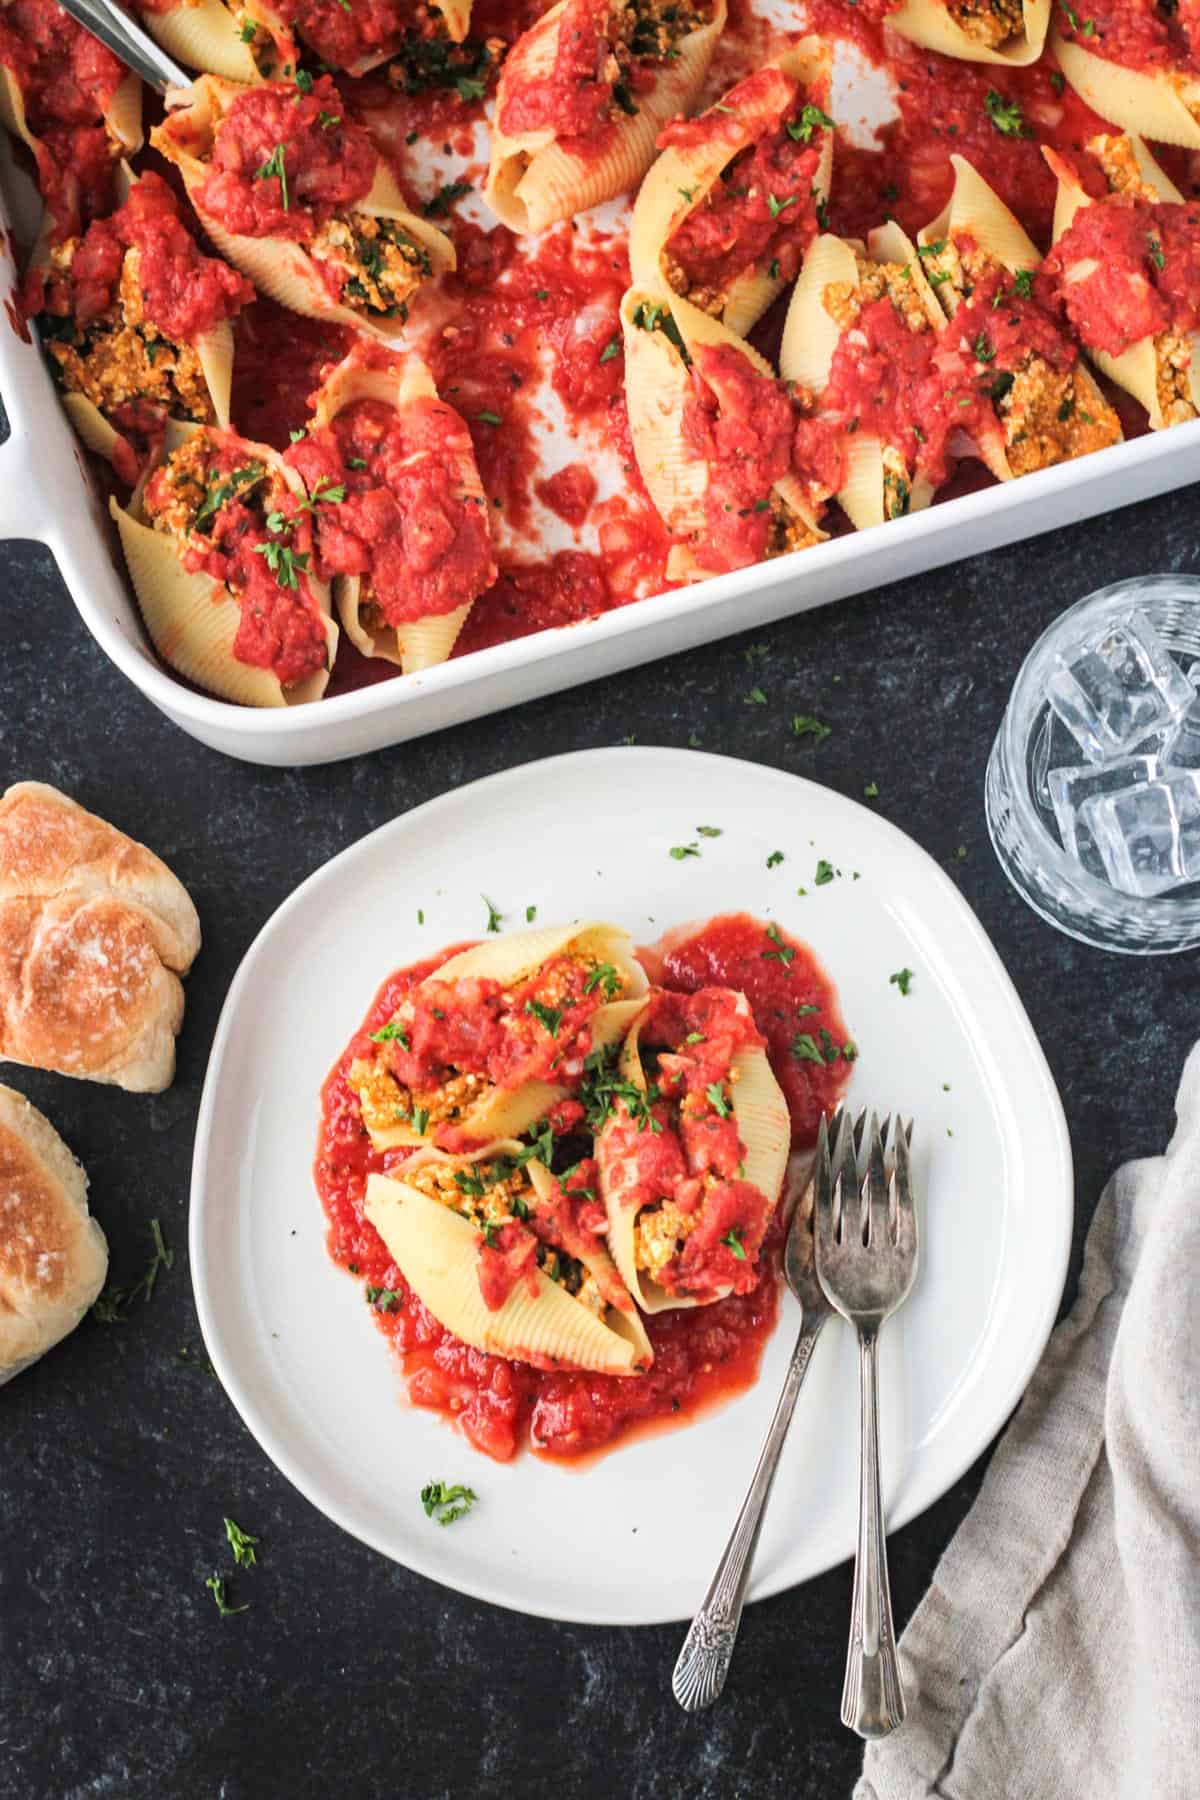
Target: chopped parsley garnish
pixel 297 437
pixel 445 1504
pixel 982 349
pixel 603 1086
pixel 624 98
pixel 733 1242
pixel 823 214
pixel 773 269
pixel 647 316
pixel 242 1545
pixel 782 952
pixel 1156 255
pixel 1023 283
pixel 488 418
pixel 709 831
pixel 445 198
pixel 356 462
pixel 247 32
pixel 775 207
pixel 901 979
pixel 824 872
pixel 1001 386
pixel 688 194
pixel 1006 115
pixel 216 1587
pixel 694 1037
pixel 932 249
pixel 284 563
pixel 304 81
pixel 680 852
pixel 530 914
pixel 112 1307
pixel 775 858
pixel 872 790
pixel 275 167
pixel 808 725
pixel 542 1148
pixel 755 697
pixel 420 1119
pixel 611 350
pixel 1084 28
pixel 221 492
pixel 1058 80
pixel 802 128
pixel 494 916
pixel 383 1299
pixel 604 975
pixel 392 1032
pixel 717 1100
pixel 550 1017
pixel 804 1048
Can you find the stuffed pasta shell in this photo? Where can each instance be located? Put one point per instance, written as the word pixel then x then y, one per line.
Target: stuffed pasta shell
pixel 240 40
pixel 712 431
pixel 136 321
pixel 357 37
pixel 1124 273
pixel 692 1155
pixel 1135 66
pixel 218 539
pixel 293 193
pixel 1029 375
pixel 726 212
pixel 497 1038
pixel 582 98
pixel 72 103
pixel 982 31
pixel 510 1258
pixel 408 547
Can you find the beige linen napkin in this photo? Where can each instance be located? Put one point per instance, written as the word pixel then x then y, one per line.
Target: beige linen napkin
pixel 1057 1654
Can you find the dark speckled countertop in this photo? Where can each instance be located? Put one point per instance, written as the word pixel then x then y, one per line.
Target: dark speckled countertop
pixel 119 1454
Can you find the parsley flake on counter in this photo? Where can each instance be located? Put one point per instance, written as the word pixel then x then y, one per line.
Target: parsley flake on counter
pixel 445 1504
pixel 775 858
pixel 420 916
pixel 530 914
pixel 824 872
pixel 733 1242
pixel 755 653
pixel 494 917
pixel 807 725
pixel 216 1587
pixel 679 852
pixel 755 697
pixel 242 1545
pixel 384 1299
pixel 782 952
pixel 709 830
pixel 872 790
pixel 112 1307
pixel 392 1032
pixel 902 979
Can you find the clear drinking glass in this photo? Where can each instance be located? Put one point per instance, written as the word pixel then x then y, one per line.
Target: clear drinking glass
pixel 1031 742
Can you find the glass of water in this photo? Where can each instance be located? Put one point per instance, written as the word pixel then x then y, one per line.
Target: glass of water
pixel 1093 784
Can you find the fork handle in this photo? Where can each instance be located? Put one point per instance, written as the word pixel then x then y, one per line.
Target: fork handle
pixel 708 1647
pixel 872 1697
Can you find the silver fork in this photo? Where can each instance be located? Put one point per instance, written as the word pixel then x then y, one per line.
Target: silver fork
pixel 866 1256
pixel 708 1647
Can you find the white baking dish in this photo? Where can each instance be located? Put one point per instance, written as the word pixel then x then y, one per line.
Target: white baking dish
pixel 45 494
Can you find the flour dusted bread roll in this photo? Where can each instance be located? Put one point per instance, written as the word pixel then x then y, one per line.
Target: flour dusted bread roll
pixel 53 1256
pixel 95 932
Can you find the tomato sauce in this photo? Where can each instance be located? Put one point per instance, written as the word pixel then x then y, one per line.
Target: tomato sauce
pixel 402 519
pixel 741 424
pixel 702 1355
pixel 284 161
pixel 341 34
pixel 183 292
pixel 1144 263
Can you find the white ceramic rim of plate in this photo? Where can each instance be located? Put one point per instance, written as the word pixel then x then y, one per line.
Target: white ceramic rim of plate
pixel 1054 1246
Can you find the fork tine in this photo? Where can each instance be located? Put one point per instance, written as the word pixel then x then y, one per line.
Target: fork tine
pixel 875 1185
pixel 904 1213
pixel 823 1222
pixel 847 1210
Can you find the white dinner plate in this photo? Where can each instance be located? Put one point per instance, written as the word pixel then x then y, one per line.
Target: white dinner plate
pixel 632 1538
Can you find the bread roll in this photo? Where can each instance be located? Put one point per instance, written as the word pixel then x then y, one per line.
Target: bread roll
pixel 94 934
pixel 53 1257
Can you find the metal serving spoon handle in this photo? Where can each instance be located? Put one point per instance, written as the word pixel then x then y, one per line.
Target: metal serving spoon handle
pixel 708 1647
pixel 126 39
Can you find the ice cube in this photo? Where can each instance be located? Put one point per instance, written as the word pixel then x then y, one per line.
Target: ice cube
pixel 1121 685
pixel 1148 836
pixel 1070 788
pixel 1053 747
pixel 1182 747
